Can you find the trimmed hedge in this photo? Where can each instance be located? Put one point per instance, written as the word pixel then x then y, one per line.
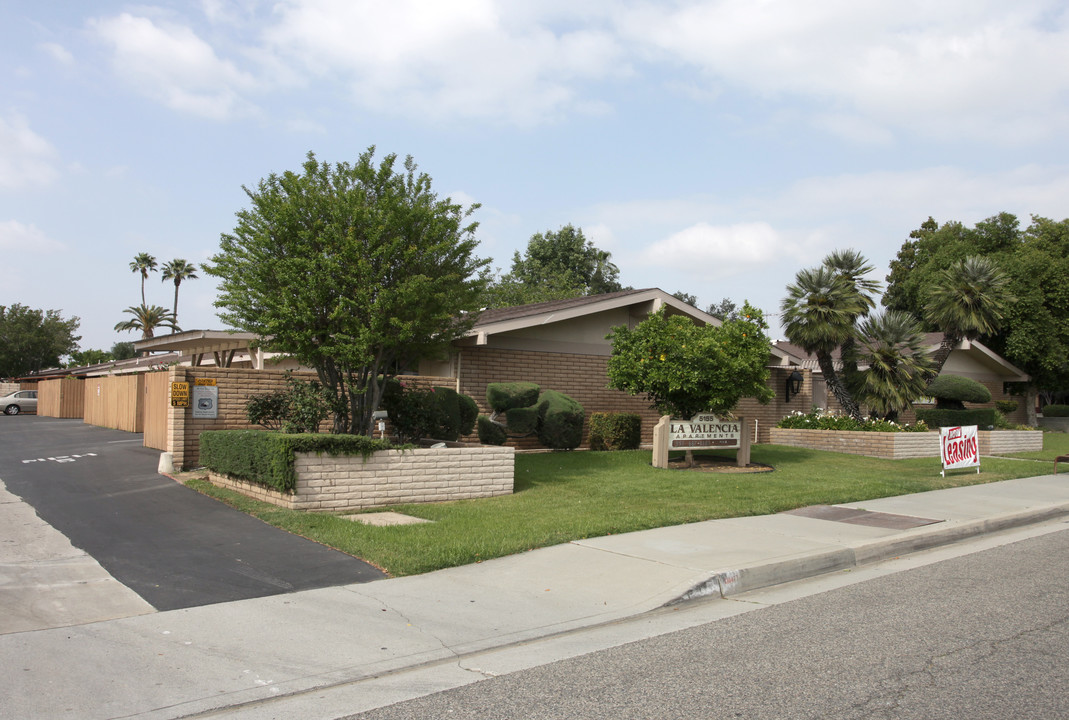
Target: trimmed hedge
pixel 490 433
pixel 560 420
pixel 1055 411
pixel 950 391
pixel 505 396
pixel 615 431
pixel 267 457
pixel 936 418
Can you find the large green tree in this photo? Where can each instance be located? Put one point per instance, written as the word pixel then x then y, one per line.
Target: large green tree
pixel 32 340
pixel 351 268
pixel 1034 332
pixel 556 266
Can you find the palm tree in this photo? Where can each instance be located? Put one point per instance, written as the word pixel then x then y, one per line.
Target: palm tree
pixel 178 270
pixel 852 267
pixel 146 319
pixel 143 263
pixel 968 299
pixel 892 346
pixel 818 315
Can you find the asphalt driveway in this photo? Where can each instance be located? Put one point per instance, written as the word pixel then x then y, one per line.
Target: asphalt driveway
pixel 171 545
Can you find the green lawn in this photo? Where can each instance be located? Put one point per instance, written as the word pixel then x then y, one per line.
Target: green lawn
pixel 572 495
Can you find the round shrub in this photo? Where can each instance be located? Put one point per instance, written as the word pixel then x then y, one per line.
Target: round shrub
pixel 560 421
pixel 951 391
pixel 505 396
pixel 1005 406
pixel 1056 411
pixel 490 433
pixel 615 431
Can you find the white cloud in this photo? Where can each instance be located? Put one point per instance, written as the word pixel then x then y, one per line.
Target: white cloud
pixel 26 158
pixel 16 237
pixel 58 53
pixel 172 65
pixel 727 247
pixel 982 68
pixel 459 59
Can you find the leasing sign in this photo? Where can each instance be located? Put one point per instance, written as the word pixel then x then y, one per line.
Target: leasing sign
pixel 959 447
pixel 704 430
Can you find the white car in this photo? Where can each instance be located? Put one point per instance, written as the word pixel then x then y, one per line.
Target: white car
pixel 19 401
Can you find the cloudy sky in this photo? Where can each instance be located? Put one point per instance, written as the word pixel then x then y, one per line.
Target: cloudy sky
pixel 713 147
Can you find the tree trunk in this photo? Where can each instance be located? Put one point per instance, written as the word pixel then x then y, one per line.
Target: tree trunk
pixel 946 346
pixel 1030 397
pixel 835 384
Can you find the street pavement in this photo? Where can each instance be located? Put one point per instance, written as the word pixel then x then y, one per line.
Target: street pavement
pixel 289 655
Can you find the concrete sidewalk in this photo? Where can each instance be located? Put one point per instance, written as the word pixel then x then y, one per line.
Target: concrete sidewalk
pixel 183 662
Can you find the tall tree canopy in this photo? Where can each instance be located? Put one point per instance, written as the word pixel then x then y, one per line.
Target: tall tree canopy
pixel 556 265
pixel 32 340
pixel 176 271
pixel 351 268
pixel 145 319
pixel 1034 332
pixel 143 263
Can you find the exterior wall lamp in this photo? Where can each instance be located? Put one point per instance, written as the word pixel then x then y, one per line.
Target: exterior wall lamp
pixel 794 384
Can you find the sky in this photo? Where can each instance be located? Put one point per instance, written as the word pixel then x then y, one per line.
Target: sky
pixel 713 147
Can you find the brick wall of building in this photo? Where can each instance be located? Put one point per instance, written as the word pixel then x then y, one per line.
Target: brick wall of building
pixel 327 483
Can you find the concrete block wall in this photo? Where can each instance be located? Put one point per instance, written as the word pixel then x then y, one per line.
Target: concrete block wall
pixel 335 484
pixel 889 446
pixel 1000 442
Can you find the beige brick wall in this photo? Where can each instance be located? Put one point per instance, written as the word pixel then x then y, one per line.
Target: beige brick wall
pixel 327 483
pixel 585 378
pixel 897 446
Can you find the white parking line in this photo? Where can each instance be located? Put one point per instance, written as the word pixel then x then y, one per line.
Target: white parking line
pixel 60 458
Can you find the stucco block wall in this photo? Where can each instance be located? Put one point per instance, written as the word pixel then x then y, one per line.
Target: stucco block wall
pixel 1010 441
pixel 327 483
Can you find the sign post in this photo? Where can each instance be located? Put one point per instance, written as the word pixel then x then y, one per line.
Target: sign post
pixel 959 448
pixel 179 394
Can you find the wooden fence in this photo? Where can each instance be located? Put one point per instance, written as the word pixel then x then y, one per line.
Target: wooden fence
pixel 61 398
pixel 116 401
pixel 157 402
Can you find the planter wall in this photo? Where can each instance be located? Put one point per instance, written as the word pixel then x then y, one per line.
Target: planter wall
pixel 391 477
pixel 1059 424
pixel 899 446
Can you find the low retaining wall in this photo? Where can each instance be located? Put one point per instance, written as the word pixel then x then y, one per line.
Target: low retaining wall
pixel 899 446
pixel 392 477
pixel 1058 424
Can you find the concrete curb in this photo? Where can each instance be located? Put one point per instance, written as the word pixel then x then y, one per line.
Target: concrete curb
pixel 726 583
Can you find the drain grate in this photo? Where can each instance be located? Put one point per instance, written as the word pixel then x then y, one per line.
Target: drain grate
pixel 836 513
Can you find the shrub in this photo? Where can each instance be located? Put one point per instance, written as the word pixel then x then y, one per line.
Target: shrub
pixel 299 408
pixel 505 396
pixel 490 433
pixel 522 420
pixel 818 420
pixel 982 417
pixel 1056 411
pixel 1005 406
pixel 439 413
pixel 267 457
pixel 951 391
pixel 560 421
pixel 615 431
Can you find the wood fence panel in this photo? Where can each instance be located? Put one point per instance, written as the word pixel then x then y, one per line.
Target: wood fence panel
pixel 61 398
pixel 157 401
pixel 115 402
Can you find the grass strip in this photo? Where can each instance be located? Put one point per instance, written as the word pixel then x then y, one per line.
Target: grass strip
pixel 567 496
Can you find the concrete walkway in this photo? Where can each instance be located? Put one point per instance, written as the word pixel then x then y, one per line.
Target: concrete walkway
pixel 184 662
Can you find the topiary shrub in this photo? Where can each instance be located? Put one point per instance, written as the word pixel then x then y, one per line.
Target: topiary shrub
pixel 522 420
pixel 1055 410
pixel 560 421
pixel 502 397
pixel 615 431
pixel 490 433
pixel 1005 406
pixel 469 411
pixel 952 391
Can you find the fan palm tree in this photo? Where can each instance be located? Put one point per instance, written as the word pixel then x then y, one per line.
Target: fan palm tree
pixel 967 300
pixel 144 264
pixel 892 346
pixel 178 270
pixel 818 315
pixel 852 267
pixel 147 318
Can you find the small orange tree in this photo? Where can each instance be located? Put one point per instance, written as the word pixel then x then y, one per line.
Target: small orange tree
pixel 685 368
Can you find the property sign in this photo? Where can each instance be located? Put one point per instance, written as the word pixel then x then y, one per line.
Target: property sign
pixel 205 401
pixel 206 382
pixel 179 394
pixel 959 447
pixel 704 430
